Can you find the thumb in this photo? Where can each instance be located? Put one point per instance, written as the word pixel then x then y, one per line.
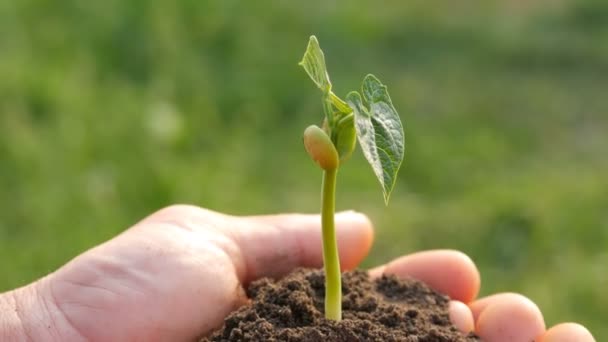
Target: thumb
pixel 274 245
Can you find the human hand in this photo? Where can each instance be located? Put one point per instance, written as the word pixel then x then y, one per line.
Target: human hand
pixel 178 273
pixel 503 317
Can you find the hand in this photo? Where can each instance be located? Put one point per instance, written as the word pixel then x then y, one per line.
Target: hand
pixel 176 275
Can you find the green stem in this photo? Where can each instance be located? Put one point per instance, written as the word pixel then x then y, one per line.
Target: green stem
pixel 331 260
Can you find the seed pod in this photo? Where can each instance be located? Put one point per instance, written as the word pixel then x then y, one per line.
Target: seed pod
pixel 320 148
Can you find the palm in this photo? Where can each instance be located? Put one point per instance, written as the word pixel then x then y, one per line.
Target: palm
pixel 158 282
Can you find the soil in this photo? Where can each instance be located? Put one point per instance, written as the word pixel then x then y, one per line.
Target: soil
pixel 385 309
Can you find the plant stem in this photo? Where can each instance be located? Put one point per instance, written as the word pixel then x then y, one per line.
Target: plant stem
pixel 331 260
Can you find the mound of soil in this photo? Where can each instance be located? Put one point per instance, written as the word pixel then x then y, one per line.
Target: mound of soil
pixel 384 309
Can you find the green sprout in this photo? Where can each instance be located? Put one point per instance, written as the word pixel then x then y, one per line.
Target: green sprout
pixel 373 121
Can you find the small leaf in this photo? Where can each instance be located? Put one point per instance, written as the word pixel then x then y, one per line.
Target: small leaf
pixel 314 64
pixel 339 104
pixel 345 137
pixel 379 131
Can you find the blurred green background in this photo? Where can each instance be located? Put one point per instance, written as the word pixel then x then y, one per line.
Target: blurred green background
pixel 110 110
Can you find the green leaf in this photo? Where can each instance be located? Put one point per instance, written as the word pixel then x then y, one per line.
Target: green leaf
pixel 345 137
pixel 314 64
pixel 379 131
pixel 339 104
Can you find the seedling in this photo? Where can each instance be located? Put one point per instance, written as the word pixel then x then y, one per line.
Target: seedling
pixel 373 121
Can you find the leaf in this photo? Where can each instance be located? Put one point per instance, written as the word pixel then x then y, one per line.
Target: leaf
pixel 379 131
pixel 345 137
pixel 314 64
pixel 339 104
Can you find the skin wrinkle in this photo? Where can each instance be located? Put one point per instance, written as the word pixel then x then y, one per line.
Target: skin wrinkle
pixel 18 313
pixel 223 242
pixel 235 253
pixel 202 264
pixel 103 268
pixel 78 286
pixel 240 291
pixel 250 263
pixel 81 284
pixel 53 324
pixel 78 304
pixel 107 266
pixel 5 323
pixel 135 289
pixel 225 239
pixel 231 243
pixel 53 298
pixel 217 242
pixel 209 235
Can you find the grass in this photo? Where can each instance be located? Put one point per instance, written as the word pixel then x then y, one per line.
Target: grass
pixel 111 110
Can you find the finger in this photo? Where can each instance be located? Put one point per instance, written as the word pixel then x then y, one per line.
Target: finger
pixel 568 332
pixel 280 243
pixel 461 316
pixel 272 245
pixel 450 272
pixel 507 317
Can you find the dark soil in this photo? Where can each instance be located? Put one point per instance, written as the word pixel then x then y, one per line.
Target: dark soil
pixel 386 309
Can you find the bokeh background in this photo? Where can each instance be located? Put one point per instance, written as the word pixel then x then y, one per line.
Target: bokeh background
pixel 110 110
